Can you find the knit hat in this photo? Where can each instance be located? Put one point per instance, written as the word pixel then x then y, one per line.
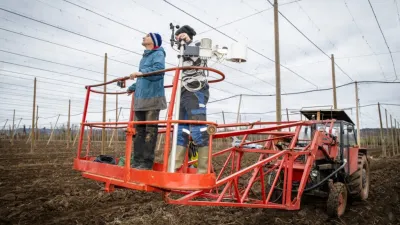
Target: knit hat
pixel 156 39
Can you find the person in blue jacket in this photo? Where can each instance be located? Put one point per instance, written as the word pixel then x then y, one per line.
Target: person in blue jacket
pixel 149 100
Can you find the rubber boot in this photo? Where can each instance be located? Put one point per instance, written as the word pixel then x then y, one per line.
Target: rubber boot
pixel 179 157
pixel 203 160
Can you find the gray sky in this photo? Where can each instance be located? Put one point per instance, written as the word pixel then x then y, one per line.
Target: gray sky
pixel 346 28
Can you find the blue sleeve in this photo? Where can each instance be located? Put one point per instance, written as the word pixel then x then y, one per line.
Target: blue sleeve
pixel 158 64
pixel 132 87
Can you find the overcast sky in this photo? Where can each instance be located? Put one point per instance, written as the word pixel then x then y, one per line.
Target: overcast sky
pixel 345 28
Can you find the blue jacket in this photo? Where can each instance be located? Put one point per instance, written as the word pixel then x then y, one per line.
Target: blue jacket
pixel 149 90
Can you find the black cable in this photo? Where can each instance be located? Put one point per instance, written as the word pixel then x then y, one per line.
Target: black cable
pixel 165 41
pixel 251 49
pixel 319 183
pixel 18 85
pixel 308 91
pixel 248 74
pixel 319 29
pixel 72 32
pixel 65 46
pixel 310 40
pixel 100 56
pixel 397 8
pixel 64 85
pixel 390 104
pixel 358 56
pixel 326 178
pixel 59 97
pixel 51 71
pixel 218 100
pixel 362 35
pixel 391 56
pixel 327 89
pixel 105 17
pixel 44 106
pixel 62 64
pixel 47 78
pixel 237 20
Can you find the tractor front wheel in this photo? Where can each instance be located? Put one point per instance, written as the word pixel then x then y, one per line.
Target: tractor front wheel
pixel 337 200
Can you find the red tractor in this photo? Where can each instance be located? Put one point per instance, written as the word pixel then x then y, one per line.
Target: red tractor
pixel 318 157
pixel 340 168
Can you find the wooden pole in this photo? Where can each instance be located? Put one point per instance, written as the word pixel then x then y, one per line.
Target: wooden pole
pixel 12 131
pixel 52 130
pixel 103 136
pixel 76 137
pixel 395 136
pixel 238 112
pixel 160 137
pixel 387 129
pixel 334 82
pixel 17 126
pixel 29 137
pixel 69 124
pixel 116 116
pixel 223 118
pixel 398 136
pixel 357 116
pixel 381 131
pixel 373 139
pixel 115 130
pixel 277 64
pixel 4 125
pixel 287 116
pixel 33 117
pixel 391 129
pixel 37 118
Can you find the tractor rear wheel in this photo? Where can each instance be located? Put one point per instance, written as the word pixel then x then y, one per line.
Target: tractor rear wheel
pixel 337 200
pixel 360 180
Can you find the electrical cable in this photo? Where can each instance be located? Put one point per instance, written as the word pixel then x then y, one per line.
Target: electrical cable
pixel 391 56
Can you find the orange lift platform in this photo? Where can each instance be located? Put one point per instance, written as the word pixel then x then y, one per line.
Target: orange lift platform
pixel 295 157
pixel 276 178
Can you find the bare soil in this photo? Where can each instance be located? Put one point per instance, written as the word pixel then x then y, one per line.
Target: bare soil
pixel 42 188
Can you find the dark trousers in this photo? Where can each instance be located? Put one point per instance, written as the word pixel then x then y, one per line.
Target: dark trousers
pixel 193 107
pixel 146 139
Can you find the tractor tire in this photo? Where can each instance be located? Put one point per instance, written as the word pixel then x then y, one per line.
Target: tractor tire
pixel 360 180
pixel 337 200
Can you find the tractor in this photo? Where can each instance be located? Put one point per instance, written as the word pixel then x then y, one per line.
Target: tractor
pixel 340 170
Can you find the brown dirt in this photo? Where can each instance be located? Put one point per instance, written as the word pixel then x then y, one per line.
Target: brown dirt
pixel 42 188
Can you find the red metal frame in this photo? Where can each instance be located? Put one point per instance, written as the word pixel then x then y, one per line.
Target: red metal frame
pixel 235 183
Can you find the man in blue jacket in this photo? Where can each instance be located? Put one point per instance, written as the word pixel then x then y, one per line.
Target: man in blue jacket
pixel 149 100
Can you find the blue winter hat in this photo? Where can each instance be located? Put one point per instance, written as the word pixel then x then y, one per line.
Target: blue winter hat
pixel 156 39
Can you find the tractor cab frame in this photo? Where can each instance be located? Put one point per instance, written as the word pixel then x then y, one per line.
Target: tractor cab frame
pixel 343 131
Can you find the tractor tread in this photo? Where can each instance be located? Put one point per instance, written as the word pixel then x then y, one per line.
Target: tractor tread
pixel 333 199
pixel 355 180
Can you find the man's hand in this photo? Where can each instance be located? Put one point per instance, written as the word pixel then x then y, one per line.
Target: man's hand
pixel 184 36
pixel 135 74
